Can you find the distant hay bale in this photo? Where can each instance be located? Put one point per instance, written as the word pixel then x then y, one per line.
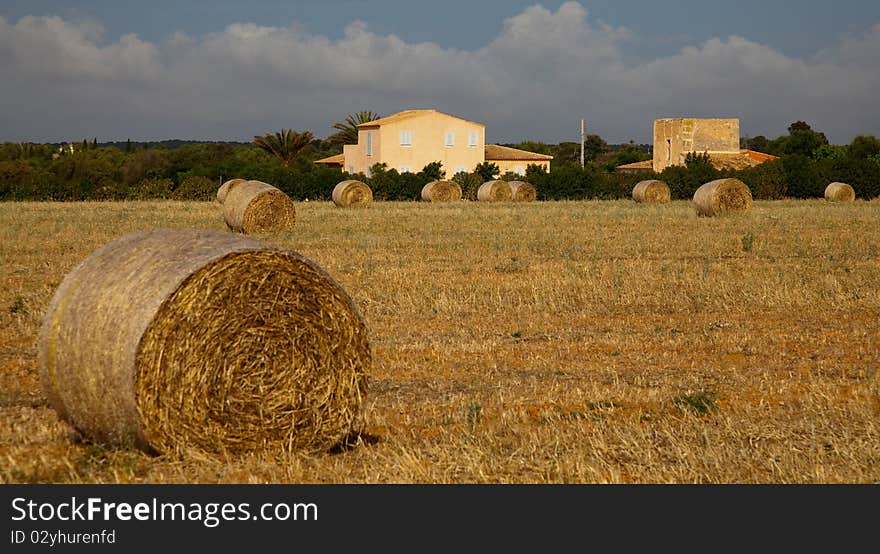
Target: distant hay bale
pixel 352 193
pixel 722 196
pixel 651 191
pixel 441 191
pixel 521 191
pixel 178 339
pixel 224 188
pixel 839 192
pixel 494 191
pixel 256 207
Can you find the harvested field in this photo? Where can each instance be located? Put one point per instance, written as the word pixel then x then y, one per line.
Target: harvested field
pixel 520 343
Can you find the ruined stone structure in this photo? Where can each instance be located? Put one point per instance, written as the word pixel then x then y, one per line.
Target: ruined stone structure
pixel 675 138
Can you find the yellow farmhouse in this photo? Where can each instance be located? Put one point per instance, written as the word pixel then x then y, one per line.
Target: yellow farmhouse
pixel 408 141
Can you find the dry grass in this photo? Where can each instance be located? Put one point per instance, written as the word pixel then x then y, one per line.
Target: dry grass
pixel 522 343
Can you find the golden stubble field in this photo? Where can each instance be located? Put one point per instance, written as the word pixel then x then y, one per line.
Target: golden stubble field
pixel 557 342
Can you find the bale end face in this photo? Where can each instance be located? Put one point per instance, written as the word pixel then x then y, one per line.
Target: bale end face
pixel 722 196
pixel 652 192
pixel 840 192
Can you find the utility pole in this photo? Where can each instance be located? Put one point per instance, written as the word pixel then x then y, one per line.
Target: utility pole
pixel 582 142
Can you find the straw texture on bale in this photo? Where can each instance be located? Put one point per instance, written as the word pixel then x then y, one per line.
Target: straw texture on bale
pixel 352 193
pixel 722 196
pixel 256 207
pixel 181 339
pixel 494 191
pixel 441 191
pixel 839 192
pixel 225 187
pixel 651 191
pixel 521 191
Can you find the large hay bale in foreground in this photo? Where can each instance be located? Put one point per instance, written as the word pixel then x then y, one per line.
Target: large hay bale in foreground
pixel 722 196
pixel 256 207
pixel 651 191
pixel 176 339
pixel 225 187
pixel 441 191
pixel 521 191
pixel 352 193
pixel 494 191
pixel 840 192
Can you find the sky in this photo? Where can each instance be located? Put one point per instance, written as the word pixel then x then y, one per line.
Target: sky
pixel 229 70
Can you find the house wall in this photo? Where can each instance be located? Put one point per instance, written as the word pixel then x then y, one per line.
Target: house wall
pixel 356 154
pixel 675 138
pixel 428 144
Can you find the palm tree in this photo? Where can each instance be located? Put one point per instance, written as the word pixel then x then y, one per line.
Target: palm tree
pixel 347 130
pixel 285 145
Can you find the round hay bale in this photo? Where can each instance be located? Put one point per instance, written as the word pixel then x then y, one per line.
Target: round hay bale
pixel 522 191
pixel 177 339
pixel 651 191
pixel 256 207
pixel 224 188
pixel 494 191
pixel 441 191
pixel 722 196
pixel 840 192
pixel 352 193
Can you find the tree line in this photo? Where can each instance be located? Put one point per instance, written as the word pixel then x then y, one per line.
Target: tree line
pixel 194 171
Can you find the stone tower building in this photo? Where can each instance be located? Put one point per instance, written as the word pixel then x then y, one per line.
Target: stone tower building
pixel 675 138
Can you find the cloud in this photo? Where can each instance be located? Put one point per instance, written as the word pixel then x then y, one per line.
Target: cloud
pixel 534 80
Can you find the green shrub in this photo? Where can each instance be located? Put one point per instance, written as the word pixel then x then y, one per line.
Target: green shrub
pixel 196 187
pixel 469 183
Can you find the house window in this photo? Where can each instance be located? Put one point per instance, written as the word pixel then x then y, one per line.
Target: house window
pixel 351 169
pixel 368 173
pixel 406 138
pixel 668 150
pixel 369 143
pixel 405 169
pixel 460 169
pixel 450 138
pixel 473 138
pixel 519 170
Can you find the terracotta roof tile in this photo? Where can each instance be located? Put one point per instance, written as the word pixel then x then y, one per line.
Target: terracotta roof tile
pixel 505 153
pixel 337 159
